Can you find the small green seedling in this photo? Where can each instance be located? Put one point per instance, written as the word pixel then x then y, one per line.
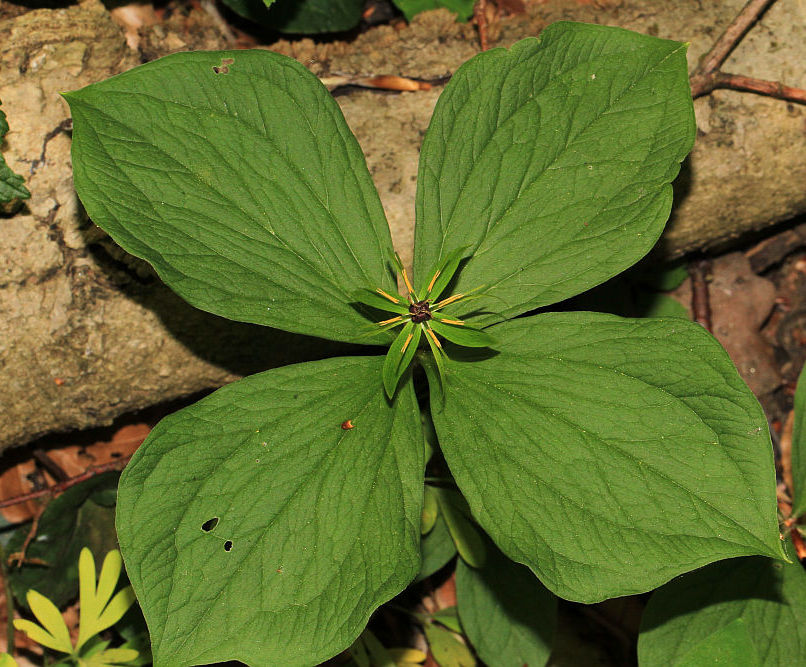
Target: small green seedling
pixel 100 608
pixel 608 455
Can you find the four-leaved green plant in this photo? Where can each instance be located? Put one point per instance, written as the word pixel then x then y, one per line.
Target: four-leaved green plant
pixel 266 522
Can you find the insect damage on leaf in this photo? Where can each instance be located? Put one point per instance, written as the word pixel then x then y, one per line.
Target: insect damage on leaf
pixel 223 68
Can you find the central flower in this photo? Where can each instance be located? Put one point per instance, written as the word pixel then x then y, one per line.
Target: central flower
pixel 419 313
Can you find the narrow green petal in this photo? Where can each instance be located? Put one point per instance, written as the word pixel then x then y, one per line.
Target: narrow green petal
pixel 393 365
pixel 376 300
pixel 446 267
pixel 394 260
pixel 463 334
pixel 50 617
pixel 7 661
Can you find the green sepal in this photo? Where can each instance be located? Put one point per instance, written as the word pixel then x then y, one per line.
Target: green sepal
pixel 462 334
pixel 447 267
pixel 449 617
pixel 465 534
pixel 394 260
pixel 436 550
pixel 430 510
pixel 446 647
pixel 397 359
pixel 439 359
pixel 373 299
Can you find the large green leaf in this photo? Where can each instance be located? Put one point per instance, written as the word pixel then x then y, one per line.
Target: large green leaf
pixel 437 548
pixel 301 16
pixel 799 448
pixel 699 612
pixel 553 161
pixel 609 454
pixel 70 522
pixel 312 16
pixel 410 8
pixel 508 615
pixel 234 174
pixel 12 186
pixel 255 528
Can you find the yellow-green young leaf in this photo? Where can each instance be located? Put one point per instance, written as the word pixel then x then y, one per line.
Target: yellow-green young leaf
pixel 553 160
pixel 235 175
pixel 50 617
pixel 692 620
pixel 89 604
pixel 799 448
pixel 464 533
pixel 430 510
pixel 227 541
pixel 446 647
pixel 108 579
pixel 41 636
pixel 7 661
pixel 114 611
pixel 507 614
pixel 403 656
pixel 114 656
pixel 587 434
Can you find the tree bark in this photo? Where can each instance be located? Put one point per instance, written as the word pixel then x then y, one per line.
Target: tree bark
pixel 88 333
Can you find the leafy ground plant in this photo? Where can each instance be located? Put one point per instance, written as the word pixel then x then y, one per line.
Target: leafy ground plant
pixel 266 522
pixel 11 184
pixel 100 607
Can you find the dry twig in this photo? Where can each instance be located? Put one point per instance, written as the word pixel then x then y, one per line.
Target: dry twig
pixel 61 487
pixel 480 16
pixel 700 270
pixel 707 76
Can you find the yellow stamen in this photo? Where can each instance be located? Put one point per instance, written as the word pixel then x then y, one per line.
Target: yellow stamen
pixel 387 296
pixel 433 280
pixel 445 302
pixel 406 344
pixel 406 280
pixel 457 322
pixel 394 319
pixel 434 337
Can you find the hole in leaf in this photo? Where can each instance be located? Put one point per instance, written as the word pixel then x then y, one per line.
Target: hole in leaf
pixel 208 525
pixel 228 545
pixel 223 68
